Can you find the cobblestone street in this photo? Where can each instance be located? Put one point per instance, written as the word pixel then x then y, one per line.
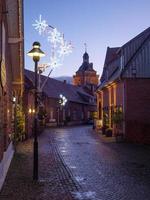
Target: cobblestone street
pixel 76 163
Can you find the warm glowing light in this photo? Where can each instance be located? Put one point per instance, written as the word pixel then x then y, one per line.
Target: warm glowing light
pixel 33 111
pixel 36 51
pixel 30 110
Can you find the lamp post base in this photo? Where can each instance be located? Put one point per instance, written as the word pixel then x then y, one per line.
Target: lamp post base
pixel 35 161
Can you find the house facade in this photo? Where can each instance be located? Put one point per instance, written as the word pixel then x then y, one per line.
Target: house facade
pixel 124 91
pixel 78 109
pixel 11 76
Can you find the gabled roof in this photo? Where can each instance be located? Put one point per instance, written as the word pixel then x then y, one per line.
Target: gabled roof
pixel 86 67
pixel 140 39
pixel 141 36
pixel 111 54
pixel 112 69
pixel 53 88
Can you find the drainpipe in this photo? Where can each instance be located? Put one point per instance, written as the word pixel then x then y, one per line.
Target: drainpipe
pixel 124 108
pixel 124 90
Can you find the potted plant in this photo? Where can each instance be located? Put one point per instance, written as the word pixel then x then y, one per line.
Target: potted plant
pixel 117 119
pixel 105 123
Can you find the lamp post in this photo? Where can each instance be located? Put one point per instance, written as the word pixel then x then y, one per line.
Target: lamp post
pixel 36 53
pixel 14 115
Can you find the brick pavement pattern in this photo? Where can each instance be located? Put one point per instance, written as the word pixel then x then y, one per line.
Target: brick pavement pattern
pixel 55 179
pixel 77 163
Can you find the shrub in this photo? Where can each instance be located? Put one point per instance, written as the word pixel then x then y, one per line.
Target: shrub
pixel 117 117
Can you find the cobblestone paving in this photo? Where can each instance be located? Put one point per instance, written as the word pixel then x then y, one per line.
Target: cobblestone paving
pixel 105 170
pixel 76 163
pixel 55 182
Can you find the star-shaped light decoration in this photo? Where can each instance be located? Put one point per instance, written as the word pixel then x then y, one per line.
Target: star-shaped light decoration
pixel 54 37
pixel 59 46
pixel 40 25
pixel 65 49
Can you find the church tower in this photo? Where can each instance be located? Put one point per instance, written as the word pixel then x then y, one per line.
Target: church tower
pixel 86 76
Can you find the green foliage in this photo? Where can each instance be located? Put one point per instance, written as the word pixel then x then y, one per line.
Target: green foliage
pixel 117 116
pixel 19 134
pixel 105 119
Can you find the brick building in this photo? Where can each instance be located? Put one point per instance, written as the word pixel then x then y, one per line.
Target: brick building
pixel 78 109
pixel 86 76
pixel 11 76
pixel 125 89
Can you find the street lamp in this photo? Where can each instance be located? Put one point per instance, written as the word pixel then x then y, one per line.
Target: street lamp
pixel 14 114
pixel 36 53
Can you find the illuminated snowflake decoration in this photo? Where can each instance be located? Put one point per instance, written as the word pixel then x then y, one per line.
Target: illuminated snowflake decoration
pixel 59 47
pixel 65 49
pixel 40 25
pixel 54 37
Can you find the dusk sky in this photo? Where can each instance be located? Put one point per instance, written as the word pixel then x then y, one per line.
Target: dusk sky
pixel 99 23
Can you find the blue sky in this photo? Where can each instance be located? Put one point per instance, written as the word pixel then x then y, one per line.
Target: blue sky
pixel 99 23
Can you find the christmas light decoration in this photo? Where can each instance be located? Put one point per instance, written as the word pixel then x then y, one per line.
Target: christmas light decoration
pixel 59 47
pixel 40 25
pixel 65 49
pixel 63 100
pixel 54 37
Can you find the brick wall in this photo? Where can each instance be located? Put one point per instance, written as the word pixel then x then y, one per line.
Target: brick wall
pixel 6 90
pixel 119 93
pixel 138 110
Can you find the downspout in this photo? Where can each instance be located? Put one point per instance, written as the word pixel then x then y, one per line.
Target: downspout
pixel 123 91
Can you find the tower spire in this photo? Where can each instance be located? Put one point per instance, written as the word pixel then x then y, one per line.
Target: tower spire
pixel 85 45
